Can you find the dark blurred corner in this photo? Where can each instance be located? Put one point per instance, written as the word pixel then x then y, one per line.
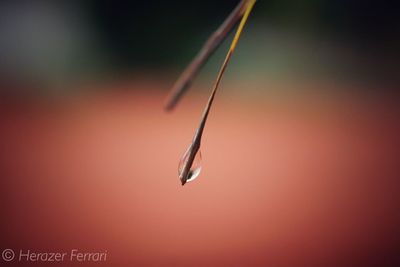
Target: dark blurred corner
pixel 46 45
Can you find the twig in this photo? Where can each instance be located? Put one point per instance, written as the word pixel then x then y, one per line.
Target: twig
pixel 195 145
pixel 185 80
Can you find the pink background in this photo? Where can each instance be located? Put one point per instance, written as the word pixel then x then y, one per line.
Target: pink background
pixel 297 179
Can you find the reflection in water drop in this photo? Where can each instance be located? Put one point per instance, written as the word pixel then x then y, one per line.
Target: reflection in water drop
pixel 194 169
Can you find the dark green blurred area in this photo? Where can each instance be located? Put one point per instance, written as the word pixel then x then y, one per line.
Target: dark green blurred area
pixel 159 32
pixel 63 41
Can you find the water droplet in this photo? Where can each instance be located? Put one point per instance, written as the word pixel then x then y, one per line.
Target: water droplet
pixel 194 169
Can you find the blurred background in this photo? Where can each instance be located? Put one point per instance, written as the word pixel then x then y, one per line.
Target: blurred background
pixel 70 42
pixel 300 154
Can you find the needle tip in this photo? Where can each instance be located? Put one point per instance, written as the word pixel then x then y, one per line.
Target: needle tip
pixel 168 107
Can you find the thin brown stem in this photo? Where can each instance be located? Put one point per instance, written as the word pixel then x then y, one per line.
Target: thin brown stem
pixel 195 145
pixel 185 80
